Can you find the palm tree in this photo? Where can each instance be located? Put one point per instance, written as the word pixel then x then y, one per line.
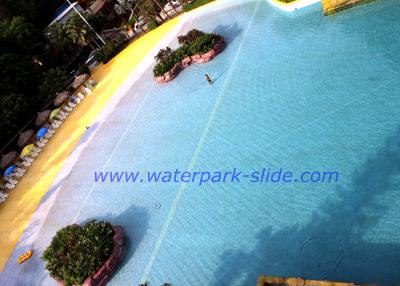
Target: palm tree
pixel 77 30
pixel 151 8
pixel 58 36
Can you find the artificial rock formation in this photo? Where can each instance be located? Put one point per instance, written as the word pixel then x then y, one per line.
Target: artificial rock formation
pixel 170 75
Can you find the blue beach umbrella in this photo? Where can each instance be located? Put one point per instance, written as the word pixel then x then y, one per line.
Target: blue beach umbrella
pixel 9 170
pixel 42 131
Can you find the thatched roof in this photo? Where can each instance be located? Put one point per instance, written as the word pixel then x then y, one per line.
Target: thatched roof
pixel 80 80
pixel 61 98
pixel 8 159
pixel 42 118
pixel 26 138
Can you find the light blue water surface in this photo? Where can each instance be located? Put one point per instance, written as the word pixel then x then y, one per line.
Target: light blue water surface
pixel 299 91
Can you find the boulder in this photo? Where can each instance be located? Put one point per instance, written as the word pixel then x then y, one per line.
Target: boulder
pixel 186 62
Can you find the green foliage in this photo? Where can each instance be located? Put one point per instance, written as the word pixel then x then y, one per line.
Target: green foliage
pixel 24 56
pixel 110 49
pixel 76 252
pixel 152 25
pixel 19 74
pixel 83 70
pixel 37 12
pixel 203 44
pixel 148 9
pixel 18 77
pixel 189 37
pixel 195 4
pixel 53 81
pixel 163 53
pixel 13 108
pixel 22 34
pixel 77 30
pixel 194 42
pixel 97 21
pixel 58 36
pixel 132 21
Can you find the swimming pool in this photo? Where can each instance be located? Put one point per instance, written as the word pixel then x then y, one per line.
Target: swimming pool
pixel 298 91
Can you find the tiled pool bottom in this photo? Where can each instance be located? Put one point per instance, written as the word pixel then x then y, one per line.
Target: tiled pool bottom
pixel 298 91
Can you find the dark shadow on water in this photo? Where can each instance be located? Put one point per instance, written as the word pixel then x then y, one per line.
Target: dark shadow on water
pixel 229 32
pixel 135 222
pixel 218 76
pixel 333 244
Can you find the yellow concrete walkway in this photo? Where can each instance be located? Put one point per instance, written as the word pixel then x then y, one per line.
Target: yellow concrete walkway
pixel 23 201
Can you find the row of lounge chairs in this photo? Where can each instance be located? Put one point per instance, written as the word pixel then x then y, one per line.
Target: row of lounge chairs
pixel 25 162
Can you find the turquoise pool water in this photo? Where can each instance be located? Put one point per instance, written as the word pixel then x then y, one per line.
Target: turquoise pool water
pixel 298 91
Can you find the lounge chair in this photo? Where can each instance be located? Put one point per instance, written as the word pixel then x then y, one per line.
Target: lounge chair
pixel 92 83
pixel 34 154
pixel 10 186
pixel 56 124
pixel 19 174
pixel 77 100
pixel 36 149
pixel 40 144
pixel 10 180
pixel 3 197
pixel 51 132
pixel 63 113
pixel 48 135
pixel 80 95
pixel 87 90
pixel 23 164
pixel 43 140
pixel 71 104
pixel 27 159
pixel 67 108
pixel 60 117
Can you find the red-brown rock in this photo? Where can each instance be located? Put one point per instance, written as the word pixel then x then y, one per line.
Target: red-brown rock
pixel 186 62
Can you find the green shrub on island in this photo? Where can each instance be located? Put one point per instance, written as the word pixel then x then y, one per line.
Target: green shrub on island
pixel 75 253
pixel 193 43
pixel 195 4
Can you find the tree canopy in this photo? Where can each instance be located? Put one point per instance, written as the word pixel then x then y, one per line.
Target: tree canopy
pixel 25 56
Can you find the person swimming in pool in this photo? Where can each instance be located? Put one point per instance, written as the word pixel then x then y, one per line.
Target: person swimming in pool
pixel 208 79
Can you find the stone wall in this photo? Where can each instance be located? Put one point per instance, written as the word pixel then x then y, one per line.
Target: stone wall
pixel 330 7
